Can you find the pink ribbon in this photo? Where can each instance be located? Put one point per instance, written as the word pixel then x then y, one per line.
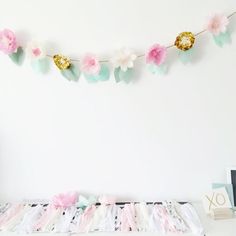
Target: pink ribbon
pixel 86 218
pixel 11 212
pixel 128 218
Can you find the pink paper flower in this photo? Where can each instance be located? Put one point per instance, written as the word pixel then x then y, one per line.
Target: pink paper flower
pixel 217 24
pixel 8 43
pixel 156 55
pixel 65 200
pixel 90 65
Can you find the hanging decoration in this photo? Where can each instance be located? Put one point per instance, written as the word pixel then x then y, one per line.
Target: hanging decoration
pixel 123 61
pixel 73 213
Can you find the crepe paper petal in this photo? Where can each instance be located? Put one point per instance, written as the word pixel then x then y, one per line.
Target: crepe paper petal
pixel 18 56
pixel 72 73
pixel 222 38
pixel 40 66
pixel 103 75
pixel 161 69
pixel 120 75
pixel 186 56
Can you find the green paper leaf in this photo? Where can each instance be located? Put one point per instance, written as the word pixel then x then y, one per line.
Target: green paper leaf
pixel 91 78
pixel 72 73
pixel 161 69
pixel 222 39
pixel 120 75
pixel 40 66
pixel 117 75
pixel 18 56
pixel 85 202
pixel 186 56
pixel 103 75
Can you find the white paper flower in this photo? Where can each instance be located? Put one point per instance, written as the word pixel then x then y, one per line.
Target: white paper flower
pixel 124 59
pixel 35 51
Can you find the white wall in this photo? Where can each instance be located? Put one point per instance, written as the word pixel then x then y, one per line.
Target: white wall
pixel 160 137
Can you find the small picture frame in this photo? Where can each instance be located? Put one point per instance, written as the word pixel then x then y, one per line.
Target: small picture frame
pixel 231 179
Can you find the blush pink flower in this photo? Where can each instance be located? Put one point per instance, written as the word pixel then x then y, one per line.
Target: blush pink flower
pixel 8 44
pixel 156 55
pixel 65 200
pixel 217 24
pixel 90 65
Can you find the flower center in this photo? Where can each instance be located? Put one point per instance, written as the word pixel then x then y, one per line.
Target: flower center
pixel 215 24
pixel 185 41
pixel 36 52
pixel 154 53
pixel 92 62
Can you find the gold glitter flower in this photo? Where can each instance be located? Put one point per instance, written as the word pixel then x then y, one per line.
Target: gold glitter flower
pixel 62 62
pixel 185 41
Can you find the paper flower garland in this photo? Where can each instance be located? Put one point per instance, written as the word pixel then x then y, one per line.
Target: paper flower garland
pixel 123 60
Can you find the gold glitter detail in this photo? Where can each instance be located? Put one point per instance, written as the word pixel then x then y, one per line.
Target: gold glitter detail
pixel 62 62
pixel 185 41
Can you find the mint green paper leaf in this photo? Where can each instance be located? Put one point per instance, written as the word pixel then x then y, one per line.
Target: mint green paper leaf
pixel 18 56
pixel 222 39
pixel 117 74
pixel 186 56
pixel 84 202
pixel 72 73
pixel 121 75
pixel 126 75
pixel 91 78
pixel 103 75
pixel 40 66
pixel 161 69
